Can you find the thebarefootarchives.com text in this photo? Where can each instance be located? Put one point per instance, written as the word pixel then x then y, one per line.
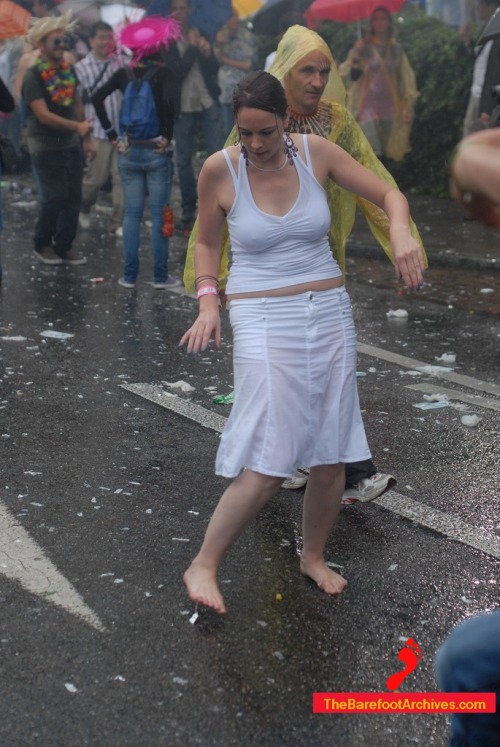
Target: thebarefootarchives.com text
pixel 402 704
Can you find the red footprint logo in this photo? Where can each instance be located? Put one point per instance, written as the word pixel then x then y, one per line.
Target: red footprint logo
pixel 410 655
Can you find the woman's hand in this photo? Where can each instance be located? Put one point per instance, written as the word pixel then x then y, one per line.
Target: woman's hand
pixel 408 257
pixel 205 327
pixel 161 144
pixel 84 128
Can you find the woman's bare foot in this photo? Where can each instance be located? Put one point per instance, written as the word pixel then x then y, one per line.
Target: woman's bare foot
pixel 327 580
pixel 203 588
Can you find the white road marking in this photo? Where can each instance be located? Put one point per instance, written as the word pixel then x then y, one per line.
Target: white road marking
pixel 190 410
pixel 441 522
pixel 424 515
pixel 411 363
pixel 23 560
pixel 453 394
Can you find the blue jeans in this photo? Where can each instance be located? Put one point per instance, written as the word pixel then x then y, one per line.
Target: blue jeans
pixel 469 661
pixel 210 121
pixel 59 178
pixel 142 171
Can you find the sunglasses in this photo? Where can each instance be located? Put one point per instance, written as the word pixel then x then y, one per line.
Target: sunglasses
pixel 59 41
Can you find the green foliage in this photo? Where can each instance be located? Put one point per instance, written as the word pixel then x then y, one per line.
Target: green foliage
pixel 444 71
pixel 443 68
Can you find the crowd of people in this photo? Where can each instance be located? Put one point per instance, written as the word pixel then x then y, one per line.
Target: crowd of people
pixel 279 196
pixel 53 79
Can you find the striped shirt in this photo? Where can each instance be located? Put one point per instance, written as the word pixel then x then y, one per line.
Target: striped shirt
pixel 88 71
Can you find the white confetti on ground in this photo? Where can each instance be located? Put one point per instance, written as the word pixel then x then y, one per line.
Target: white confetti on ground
pixel 470 420
pixel 182 385
pixel 56 335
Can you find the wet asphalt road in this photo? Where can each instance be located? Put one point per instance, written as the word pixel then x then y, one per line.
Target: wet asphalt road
pixel 112 492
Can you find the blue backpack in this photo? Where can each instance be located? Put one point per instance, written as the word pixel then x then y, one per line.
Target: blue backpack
pixel 138 117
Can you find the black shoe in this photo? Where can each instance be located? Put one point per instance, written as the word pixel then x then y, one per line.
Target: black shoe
pixel 48 256
pixel 188 219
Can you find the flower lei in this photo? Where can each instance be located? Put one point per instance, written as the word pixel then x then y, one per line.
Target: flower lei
pixel 60 82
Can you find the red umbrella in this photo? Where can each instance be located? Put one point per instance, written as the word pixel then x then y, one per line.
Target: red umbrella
pixel 14 20
pixel 347 10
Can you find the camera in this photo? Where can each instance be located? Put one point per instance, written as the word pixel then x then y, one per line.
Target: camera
pixel 86 95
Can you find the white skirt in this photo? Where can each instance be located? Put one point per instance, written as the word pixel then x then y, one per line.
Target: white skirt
pixel 296 399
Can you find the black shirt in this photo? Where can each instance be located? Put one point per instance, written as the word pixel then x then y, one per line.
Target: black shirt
pixel 162 85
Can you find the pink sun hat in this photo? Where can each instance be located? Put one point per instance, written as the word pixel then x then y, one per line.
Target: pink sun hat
pixel 149 35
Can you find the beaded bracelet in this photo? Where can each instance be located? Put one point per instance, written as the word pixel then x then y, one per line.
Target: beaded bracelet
pixel 202 278
pixel 207 290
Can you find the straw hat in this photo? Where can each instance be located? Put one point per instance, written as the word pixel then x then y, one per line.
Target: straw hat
pixel 42 27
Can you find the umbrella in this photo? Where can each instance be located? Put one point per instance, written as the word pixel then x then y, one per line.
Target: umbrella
pixel 87 12
pixel 246 8
pixel 210 15
pixel 14 20
pixel 347 11
pixel 267 19
pixel 206 15
pixel 492 28
pixel 118 15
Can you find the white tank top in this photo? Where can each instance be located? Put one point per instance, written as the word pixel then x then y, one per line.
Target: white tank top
pixel 270 251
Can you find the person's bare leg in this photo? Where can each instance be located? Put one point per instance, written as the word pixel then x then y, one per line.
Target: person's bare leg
pixel 238 506
pixel 322 502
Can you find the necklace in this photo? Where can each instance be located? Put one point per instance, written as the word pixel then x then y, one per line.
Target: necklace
pixel 60 81
pixel 280 168
pixel 295 114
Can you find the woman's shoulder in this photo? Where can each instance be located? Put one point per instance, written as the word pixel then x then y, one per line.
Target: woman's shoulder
pixel 216 165
pixel 314 142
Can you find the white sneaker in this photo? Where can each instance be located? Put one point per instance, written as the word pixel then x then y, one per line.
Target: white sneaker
pixel 125 284
pixel 369 488
pixel 297 480
pixel 84 220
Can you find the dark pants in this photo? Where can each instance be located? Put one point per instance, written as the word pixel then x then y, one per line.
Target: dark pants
pixel 59 175
pixel 210 122
pixel 358 471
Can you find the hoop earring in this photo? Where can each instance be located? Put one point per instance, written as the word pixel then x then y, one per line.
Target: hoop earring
pixel 244 153
pixel 290 148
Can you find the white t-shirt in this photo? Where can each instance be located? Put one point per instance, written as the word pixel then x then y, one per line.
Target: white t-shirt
pixel 269 61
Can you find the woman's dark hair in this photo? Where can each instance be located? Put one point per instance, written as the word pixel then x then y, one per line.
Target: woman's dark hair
pixel 260 90
pixel 382 9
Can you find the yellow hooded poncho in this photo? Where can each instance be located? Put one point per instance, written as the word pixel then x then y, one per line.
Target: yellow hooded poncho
pixel 297 43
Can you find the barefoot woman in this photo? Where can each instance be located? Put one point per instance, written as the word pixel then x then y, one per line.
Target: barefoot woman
pixel 284 285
